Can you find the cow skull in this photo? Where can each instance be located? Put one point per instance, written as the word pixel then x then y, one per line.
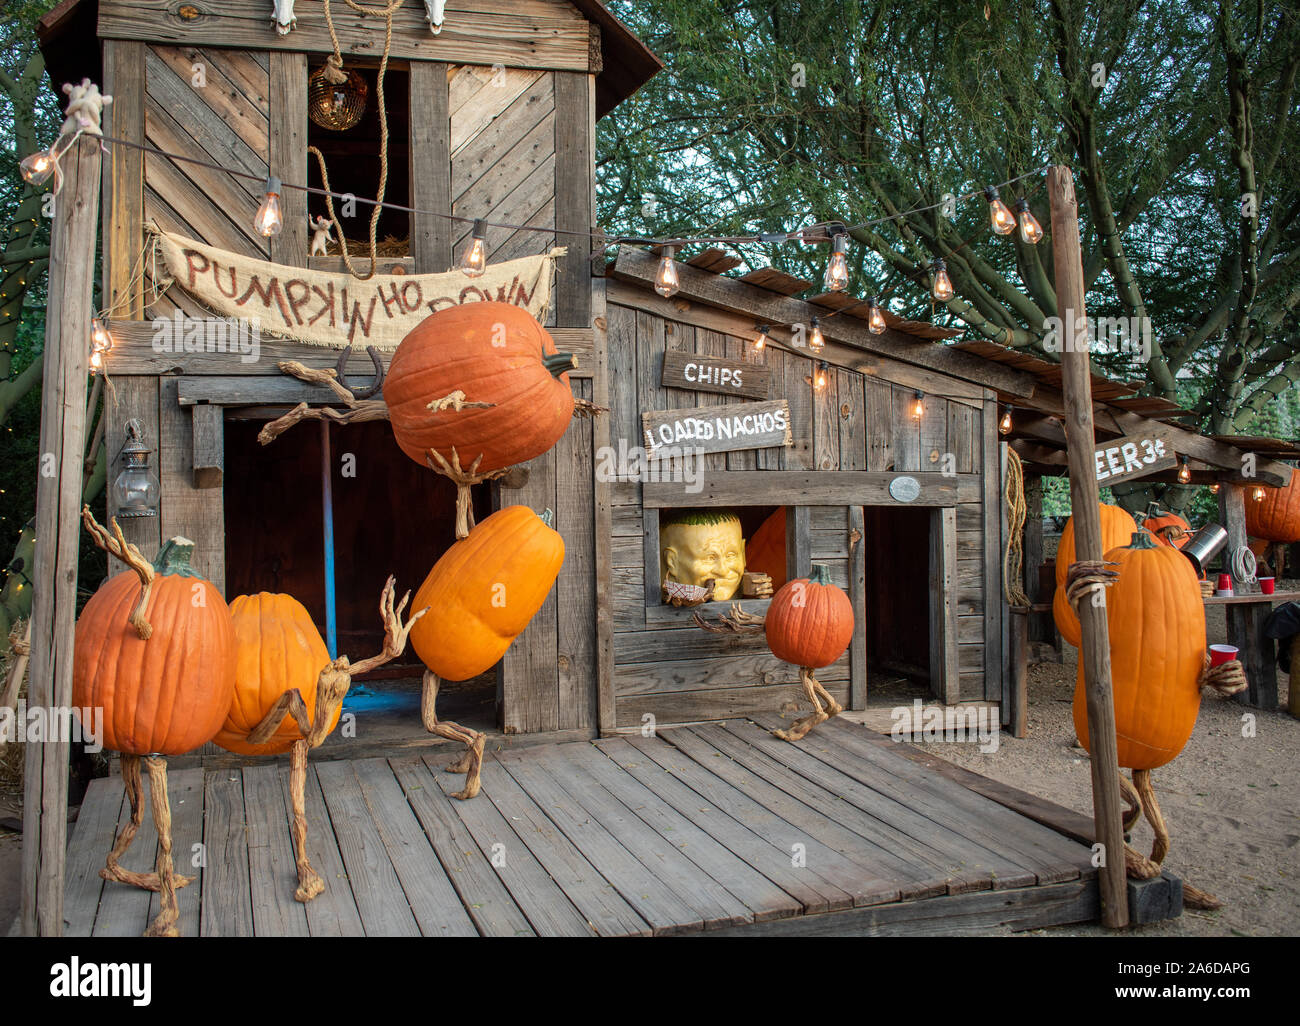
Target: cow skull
pixel 434 9
pixel 284 17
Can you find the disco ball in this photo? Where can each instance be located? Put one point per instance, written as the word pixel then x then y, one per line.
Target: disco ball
pixel 336 107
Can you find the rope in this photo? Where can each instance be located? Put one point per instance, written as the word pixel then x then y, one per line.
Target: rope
pixel 1013 560
pixel 1227 678
pixel 1088 577
pixel 1241 564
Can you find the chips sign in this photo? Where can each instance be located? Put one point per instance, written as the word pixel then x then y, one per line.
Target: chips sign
pixel 1132 456
pixel 714 374
pixel 726 428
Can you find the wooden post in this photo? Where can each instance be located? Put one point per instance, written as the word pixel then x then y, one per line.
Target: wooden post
pixel 58 529
pixel 1084 501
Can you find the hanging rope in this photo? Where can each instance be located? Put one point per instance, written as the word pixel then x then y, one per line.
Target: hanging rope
pixel 1013 560
pixel 334 73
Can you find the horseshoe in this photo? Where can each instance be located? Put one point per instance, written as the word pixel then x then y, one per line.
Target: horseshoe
pixel 375 386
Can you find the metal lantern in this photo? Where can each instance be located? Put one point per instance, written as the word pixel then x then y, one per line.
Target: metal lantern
pixel 135 491
pixel 336 106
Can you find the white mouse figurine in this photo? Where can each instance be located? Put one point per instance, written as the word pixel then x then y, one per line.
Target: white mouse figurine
pixel 320 235
pixel 85 107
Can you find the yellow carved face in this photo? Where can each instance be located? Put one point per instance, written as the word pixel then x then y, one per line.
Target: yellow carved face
pixel 698 547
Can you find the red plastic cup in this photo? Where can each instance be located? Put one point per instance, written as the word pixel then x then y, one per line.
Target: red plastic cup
pixel 1266 585
pixel 1220 654
pixel 1225 582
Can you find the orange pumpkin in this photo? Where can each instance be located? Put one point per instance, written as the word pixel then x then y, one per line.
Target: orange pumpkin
pixel 1156 621
pixel 495 353
pixel 1116 529
pixel 277 647
pixel 765 552
pixel 1276 516
pixel 1168 528
pixel 484 590
pixel 810 621
pixel 169 694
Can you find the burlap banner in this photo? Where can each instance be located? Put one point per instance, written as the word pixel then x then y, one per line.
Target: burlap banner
pixel 326 308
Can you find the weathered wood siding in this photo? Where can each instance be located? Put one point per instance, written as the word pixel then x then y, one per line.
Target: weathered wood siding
pixel 669 669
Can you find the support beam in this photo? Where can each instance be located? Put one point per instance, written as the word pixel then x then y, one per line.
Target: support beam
pixel 58 531
pixel 1094 651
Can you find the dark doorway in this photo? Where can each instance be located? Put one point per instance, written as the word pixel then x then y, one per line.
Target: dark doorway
pixel 898 590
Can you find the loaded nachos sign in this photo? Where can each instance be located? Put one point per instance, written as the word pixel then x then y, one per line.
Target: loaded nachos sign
pixel 328 308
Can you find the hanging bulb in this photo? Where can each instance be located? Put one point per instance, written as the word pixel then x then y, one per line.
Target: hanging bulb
pixel 100 339
pixel 837 271
pixel 666 281
pixel 1257 494
pixel 474 262
pixel 1004 425
pixel 1215 488
pixel 1030 230
pixel 918 405
pixel 819 379
pixel 1003 222
pixel 96 361
pixel 38 167
pixel 942 283
pixel 760 340
pixel 875 317
pixel 1184 473
pixel 269 220
pixel 816 340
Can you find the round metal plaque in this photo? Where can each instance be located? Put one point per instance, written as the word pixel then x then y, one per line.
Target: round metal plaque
pixel 905 489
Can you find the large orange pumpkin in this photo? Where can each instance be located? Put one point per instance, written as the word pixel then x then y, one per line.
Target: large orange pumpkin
pixel 277 647
pixel 1276 516
pixel 1116 529
pixel 1156 621
pixel 1168 528
pixel 765 552
pixel 810 621
pixel 495 353
pixel 169 694
pixel 484 590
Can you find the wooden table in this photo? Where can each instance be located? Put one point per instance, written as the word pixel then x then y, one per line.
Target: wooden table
pixel 1246 614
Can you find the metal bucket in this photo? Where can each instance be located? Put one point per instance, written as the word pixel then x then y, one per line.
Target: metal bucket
pixel 1204 544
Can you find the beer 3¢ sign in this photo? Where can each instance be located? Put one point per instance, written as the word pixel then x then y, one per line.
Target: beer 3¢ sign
pixel 1132 456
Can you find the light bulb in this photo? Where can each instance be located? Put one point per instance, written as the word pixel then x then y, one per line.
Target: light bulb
pixel 38 167
pixel 667 283
pixel 1030 230
pixel 1215 488
pixel 875 318
pixel 760 340
pixel 96 361
pixel 1257 494
pixel 269 220
pixel 1003 221
pixel 918 405
pixel 474 262
pixel 819 381
pixel 100 339
pixel 837 271
pixel 1004 425
pixel 1184 473
pixel 816 340
pixel 942 283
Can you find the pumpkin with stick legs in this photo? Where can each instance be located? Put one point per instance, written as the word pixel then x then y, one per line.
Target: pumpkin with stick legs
pixel 1156 622
pixel 154 649
pixel 809 623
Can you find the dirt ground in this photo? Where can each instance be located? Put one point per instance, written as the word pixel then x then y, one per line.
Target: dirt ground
pixel 1231 801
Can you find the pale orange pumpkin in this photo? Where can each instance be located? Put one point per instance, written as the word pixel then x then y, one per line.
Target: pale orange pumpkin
pixel 1275 517
pixel 1156 621
pixel 765 552
pixel 1117 528
pixel 484 590
pixel 277 647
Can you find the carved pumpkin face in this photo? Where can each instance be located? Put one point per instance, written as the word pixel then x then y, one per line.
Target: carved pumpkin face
pixel 696 546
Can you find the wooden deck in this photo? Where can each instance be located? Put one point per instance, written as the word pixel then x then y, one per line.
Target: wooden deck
pixel 717 827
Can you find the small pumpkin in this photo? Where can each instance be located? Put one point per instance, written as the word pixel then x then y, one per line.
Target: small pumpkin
pixel 1276 516
pixel 1156 622
pixel 168 694
pixel 765 551
pixel 484 590
pixel 277 647
pixel 1168 528
pixel 494 353
pixel 810 621
pixel 1117 527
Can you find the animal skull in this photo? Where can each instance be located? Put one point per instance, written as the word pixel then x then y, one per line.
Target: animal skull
pixel 434 9
pixel 284 17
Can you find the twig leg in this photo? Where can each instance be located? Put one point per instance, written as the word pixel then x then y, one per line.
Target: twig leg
pixel 134 794
pixel 164 925
pixel 1193 897
pixel 472 760
pixel 800 728
pixel 309 882
pixel 1134 802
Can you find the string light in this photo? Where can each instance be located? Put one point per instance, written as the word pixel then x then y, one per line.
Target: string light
pixel 1184 472
pixel 1003 222
pixel 667 284
pixel 837 271
pixel 819 382
pixel 474 262
pixel 918 405
pixel 760 340
pixel 942 283
pixel 37 168
pixel 1030 230
pixel 1004 425
pixel 1258 494
pixel 269 220
pixel 875 317
pixel 1215 488
pixel 816 340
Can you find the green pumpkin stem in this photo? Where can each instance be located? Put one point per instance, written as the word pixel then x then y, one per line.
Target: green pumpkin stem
pixel 819 574
pixel 175 557
pixel 1142 540
pixel 559 363
pixel 548 517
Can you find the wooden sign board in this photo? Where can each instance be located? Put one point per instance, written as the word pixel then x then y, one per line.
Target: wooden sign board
pixel 1122 459
pixel 717 428
pixel 715 374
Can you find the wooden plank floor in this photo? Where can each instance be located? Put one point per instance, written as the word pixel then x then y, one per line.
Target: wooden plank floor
pixel 717 828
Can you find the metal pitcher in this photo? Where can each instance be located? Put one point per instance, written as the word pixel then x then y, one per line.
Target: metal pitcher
pixel 1204 544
